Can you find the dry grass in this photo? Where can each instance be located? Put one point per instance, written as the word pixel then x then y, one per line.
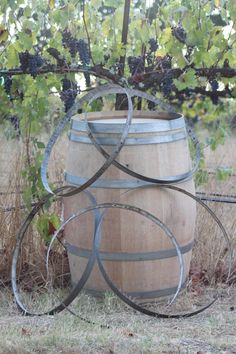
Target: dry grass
pixel 212 332
pixel 210 253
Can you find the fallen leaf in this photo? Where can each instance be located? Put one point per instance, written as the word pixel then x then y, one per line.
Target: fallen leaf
pixel 25 331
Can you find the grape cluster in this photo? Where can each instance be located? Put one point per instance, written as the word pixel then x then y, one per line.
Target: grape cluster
pixel 166 84
pixel 68 93
pixel 77 46
pixel 151 106
pixel 153 45
pixel 215 99
pixel 136 64
pixel 85 58
pixel 7 84
pixel 83 52
pixel 166 62
pixel 214 85
pixel 179 33
pixel 70 42
pixel 30 63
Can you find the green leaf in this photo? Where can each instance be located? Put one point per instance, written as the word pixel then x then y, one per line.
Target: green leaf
pixel 26 41
pixel 223 173
pixel 27 197
pixel 40 145
pixel 12 57
pixel 27 11
pixel 166 35
pixel 234 92
pixel 190 78
pixel 201 177
pixel 46 225
pixel 187 80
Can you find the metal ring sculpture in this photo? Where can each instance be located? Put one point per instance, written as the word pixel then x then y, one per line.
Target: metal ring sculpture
pixel 72 190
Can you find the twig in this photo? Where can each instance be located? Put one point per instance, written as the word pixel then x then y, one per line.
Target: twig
pixel 124 38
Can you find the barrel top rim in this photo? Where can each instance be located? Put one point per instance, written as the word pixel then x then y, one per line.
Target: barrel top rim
pixel 167 116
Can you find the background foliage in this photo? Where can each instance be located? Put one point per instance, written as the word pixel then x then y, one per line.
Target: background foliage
pixel 183 51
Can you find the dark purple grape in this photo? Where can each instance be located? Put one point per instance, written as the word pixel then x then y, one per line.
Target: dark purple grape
pixel 167 84
pixel 136 65
pixel 84 55
pixel 153 45
pixel 68 93
pixel 7 84
pixel 83 52
pixel 151 106
pixel 24 60
pixel 179 33
pixel 78 46
pixel 215 99
pixel 30 63
pixel 166 62
pixel 35 61
pixel 69 42
pixel 214 85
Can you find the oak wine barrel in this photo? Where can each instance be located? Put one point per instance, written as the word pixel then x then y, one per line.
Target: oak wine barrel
pixel 138 256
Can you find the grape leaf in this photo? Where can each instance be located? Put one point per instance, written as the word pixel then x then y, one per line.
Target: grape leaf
pixel 12 57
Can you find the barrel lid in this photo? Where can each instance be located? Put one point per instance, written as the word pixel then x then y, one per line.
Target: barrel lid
pixel 123 114
pixel 142 121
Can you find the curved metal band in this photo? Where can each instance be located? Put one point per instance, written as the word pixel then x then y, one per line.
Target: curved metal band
pixel 130 141
pixel 98 92
pixel 90 97
pixel 146 214
pixel 20 237
pixel 127 256
pixel 137 128
pixel 111 183
pixel 158 181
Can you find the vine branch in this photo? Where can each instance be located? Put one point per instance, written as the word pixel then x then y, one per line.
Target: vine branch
pixel 148 79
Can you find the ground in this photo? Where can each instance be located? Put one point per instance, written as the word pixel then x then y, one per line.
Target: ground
pixel 212 332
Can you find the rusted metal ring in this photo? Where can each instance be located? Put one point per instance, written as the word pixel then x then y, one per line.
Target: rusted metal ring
pixel 165 180
pixel 127 298
pixel 90 97
pixel 20 237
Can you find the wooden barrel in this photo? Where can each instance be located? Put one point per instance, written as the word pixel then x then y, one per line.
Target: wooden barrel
pixel 137 254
